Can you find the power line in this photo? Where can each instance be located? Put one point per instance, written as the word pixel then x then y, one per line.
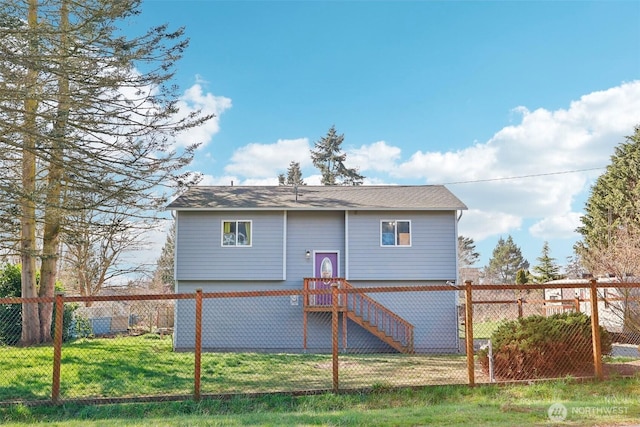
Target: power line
pixel 522 176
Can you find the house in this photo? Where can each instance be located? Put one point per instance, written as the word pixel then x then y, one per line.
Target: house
pixel 237 238
pixel 618 307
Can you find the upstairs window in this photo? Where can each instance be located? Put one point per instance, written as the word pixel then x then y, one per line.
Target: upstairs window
pixel 236 233
pixel 395 233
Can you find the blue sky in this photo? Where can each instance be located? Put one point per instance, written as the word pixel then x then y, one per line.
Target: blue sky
pixel 425 92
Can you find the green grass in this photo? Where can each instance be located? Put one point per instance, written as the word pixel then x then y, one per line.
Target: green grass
pixel 482 330
pixel 612 402
pixel 146 366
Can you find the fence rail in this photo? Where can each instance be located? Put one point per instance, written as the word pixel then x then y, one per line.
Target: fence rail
pixel 447 346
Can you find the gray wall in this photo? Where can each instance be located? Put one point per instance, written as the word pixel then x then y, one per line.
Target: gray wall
pixel 275 323
pixel 201 256
pixel 434 314
pixel 431 256
pixel 320 230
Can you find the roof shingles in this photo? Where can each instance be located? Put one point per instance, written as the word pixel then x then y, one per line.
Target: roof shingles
pixel 365 197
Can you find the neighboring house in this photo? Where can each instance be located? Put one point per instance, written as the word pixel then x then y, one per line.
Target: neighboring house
pixel 231 238
pixel 614 303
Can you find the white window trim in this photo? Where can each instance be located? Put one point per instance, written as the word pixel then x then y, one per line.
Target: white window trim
pixel 236 221
pixel 395 237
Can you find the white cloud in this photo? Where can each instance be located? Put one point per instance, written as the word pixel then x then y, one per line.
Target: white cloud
pixel 195 99
pixel 480 224
pixel 219 180
pixel 545 142
pixel 554 227
pixel 533 171
pixel 530 170
pixel 375 157
pixel 261 161
pixel 438 167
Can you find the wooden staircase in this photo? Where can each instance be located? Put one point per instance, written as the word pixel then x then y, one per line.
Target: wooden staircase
pixel 363 310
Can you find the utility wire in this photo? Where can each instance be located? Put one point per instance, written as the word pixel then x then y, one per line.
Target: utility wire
pixel 522 176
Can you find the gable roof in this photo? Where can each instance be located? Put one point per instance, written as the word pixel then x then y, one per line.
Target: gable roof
pixel 323 197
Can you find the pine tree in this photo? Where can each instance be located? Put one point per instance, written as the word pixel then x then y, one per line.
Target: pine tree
pixel 467 255
pixel 614 201
pixel 293 177
pixel 85 110
pixel 507 259
pixel 547 269
pixel 329 159
pixel 522 277
pixel 165 265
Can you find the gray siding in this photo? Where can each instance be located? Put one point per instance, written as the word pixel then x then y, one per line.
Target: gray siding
pixel 200 255
pixel 434 315
pixel 240 323
pixel 274 324
pixel 323 230
pixel 432 255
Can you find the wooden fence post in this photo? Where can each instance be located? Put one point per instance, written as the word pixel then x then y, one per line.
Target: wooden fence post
pixel 576 302
pixel 519 308
pixel 595 331
pixel 468 323
pixel 334 334
pixel 57 347
pixel 198 346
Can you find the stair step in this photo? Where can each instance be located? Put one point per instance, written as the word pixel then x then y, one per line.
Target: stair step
pixel 380 332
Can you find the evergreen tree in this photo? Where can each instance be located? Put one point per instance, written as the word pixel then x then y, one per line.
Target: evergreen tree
pixel 547 269
pixel 522 277
pixel 294 175
pixel 329 159
pixel 507 259
pixel 165 265
pixel 614 201
pixel 467 255
pixel 84 110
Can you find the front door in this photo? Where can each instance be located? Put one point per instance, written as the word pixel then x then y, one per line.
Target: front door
pixel 325 267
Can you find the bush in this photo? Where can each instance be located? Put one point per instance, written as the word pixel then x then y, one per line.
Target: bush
pixel 68 323
pixel 543 347
pixel 11 314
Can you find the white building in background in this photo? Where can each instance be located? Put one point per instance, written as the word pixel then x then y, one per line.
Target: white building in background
pixel 611 305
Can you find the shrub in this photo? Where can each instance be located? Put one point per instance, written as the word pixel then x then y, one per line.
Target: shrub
pixel 68 322
pixel 543 347
pixel 11 314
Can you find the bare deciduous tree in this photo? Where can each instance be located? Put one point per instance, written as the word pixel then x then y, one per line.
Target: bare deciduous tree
pixel 619 260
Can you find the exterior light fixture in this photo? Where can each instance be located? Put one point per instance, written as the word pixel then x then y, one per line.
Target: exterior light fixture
pixel 307 254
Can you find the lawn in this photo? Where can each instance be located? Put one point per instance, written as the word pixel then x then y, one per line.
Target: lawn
pixel 612 402
pixel 147 366
pixel 482 330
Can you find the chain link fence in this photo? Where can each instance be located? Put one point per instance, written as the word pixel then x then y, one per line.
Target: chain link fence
pixel 325 336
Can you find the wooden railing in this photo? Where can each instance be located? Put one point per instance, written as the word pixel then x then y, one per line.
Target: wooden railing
pixel 362 309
